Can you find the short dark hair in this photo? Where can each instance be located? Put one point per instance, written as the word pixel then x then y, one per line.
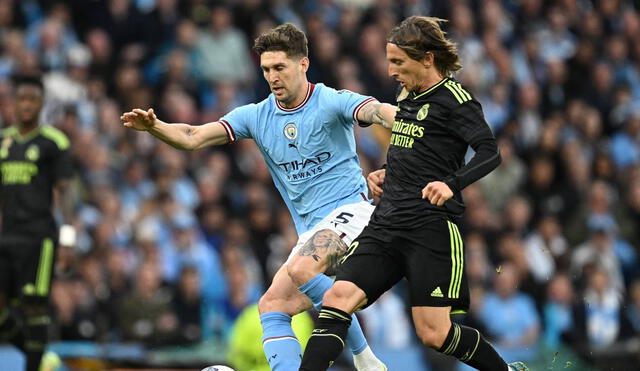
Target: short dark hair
pixel 28 80
pixel 284 38
pixel 418 35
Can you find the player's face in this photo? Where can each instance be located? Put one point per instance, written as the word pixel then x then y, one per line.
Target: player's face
pixel 409 72
pixel 28 103
pixel 285 75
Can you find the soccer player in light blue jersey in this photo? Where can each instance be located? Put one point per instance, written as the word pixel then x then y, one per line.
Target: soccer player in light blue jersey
pixel 305 133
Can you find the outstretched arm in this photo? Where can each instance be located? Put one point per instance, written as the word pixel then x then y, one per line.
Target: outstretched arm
pixel 180 136
pixel 375 112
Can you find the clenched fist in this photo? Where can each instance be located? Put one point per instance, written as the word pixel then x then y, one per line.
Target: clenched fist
pixel 437 193
pixel 375 179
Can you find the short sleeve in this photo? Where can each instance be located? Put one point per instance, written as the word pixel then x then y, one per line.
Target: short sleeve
pixel 347 105
pixel 62 163
pixel 238 122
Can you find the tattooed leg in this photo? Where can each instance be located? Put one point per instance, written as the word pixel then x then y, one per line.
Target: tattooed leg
pixel 320 254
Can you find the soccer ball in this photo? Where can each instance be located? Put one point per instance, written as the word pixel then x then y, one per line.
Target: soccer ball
pixel 218 368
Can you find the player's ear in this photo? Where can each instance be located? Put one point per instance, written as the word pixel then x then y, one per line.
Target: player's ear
pixel 428 59
pixel 304 63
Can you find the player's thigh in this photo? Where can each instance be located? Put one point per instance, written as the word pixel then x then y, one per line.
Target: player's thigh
pixel 372 264
pixel 283 296
pixel 434 263
pixel 320 249
pixel 318 254
pixel 32 261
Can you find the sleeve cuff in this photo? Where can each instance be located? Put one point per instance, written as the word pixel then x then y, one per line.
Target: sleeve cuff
pixel 357 110
pixel 452 184
pixel 231 135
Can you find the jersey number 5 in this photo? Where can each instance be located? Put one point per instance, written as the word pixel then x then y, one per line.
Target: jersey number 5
pixel 343 218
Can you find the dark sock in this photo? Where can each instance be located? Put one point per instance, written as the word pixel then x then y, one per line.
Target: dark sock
pixel 327 341
pixel 35 340
pixel 467 345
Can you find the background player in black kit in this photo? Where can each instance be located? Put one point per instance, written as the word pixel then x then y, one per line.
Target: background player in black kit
pixel 34 165
pixel 412 232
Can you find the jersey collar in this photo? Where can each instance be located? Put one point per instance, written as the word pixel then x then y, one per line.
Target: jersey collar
pixel 310 88
pixel 434 87
pixel 13 132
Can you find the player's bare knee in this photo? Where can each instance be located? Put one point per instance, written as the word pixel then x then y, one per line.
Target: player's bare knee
pixel 432 336
pixel 338 291
pixel 301 271
pixel 345 295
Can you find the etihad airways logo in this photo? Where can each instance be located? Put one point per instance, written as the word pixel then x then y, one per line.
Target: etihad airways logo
pixel 404 134
pixel 305 168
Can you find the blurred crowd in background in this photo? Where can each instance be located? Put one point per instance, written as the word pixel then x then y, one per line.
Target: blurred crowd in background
pixel 174 245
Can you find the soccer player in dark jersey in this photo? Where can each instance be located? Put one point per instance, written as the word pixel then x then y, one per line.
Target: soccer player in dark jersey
pixel 412 232
pixel 34 165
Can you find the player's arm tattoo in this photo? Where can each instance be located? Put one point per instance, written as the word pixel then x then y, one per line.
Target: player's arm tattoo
pixel 325 245
pixel 378 113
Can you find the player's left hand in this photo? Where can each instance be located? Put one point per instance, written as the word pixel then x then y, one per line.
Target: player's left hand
pixel 375 179
pixel 437 193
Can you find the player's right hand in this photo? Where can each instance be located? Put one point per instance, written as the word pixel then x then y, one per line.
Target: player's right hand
pixel 139 119
pixel 375 179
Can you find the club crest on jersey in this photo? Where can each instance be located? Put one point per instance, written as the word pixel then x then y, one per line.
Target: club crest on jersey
pixel 423 112
pixel 33 153
pixel 291 131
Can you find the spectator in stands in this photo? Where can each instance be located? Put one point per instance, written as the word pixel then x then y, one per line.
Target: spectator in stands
pixel 625 148
pixel 557 310
pixel 187 306
pixel 233 64
pixel 630 222
pixel 633 307
pixel 517 332
pixel 600 249
pixel 503 183
pixel 545 249
pixel 187 248
pixel 598 318
pixel 244 279
pixel 145 313
pixel 393 341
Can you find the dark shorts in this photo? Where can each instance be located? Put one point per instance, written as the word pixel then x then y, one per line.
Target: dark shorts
pixel 26 265
pixel 431 258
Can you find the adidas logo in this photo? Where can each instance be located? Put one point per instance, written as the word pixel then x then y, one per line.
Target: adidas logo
pixel 319 330
pixel 437 292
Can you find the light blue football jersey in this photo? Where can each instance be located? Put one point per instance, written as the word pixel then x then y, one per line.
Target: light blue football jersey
pixel 310 149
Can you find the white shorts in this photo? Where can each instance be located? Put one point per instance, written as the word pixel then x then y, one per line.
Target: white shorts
pixel 347 221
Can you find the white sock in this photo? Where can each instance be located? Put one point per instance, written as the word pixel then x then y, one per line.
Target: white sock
pixel 367 361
